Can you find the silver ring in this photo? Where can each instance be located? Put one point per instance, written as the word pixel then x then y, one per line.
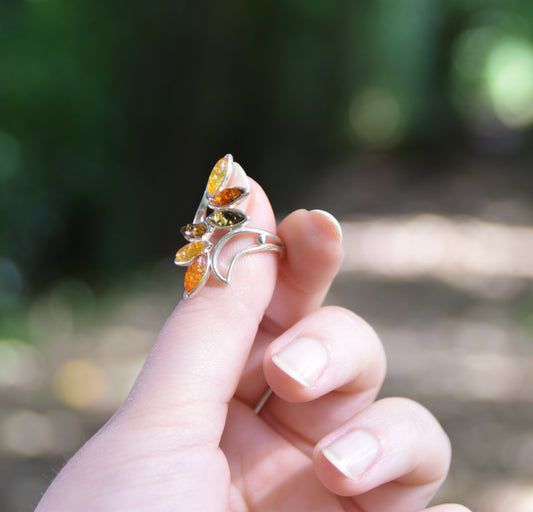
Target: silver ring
pixel 217 211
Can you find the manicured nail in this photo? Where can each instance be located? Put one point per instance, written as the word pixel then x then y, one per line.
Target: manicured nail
pixel 303 359
pixel 333 220
pixel 353 453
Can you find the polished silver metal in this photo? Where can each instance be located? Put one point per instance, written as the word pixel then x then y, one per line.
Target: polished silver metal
pixel 263 401
pixel 261 242
pixel 264 240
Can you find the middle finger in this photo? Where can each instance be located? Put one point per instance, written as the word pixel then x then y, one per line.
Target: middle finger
pixel 323 370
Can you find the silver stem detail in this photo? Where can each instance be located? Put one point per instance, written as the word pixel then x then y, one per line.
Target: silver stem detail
pixel 262 245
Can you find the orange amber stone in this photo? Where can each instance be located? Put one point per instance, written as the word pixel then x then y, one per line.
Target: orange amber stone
pixel 217 176
pixel 190 251
pixel 195 273
pixel 226 197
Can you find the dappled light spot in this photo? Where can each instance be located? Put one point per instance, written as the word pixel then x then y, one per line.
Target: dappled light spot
pixel 464 253
pixel 376 118
pixel 80 383
pixel 493 79
pixel 513 497
pixel 509 77
pixel 28 433
pixel 476 354
pixel 494 377
pixel 21 366
pixel 471 50
pixel 50 318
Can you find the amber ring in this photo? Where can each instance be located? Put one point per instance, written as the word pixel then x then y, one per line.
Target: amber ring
pixel 216 213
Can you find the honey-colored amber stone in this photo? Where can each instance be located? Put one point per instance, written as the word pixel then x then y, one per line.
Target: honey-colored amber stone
pixel 226 197
pixel 217 176
pixel 227 218
pixel 190 251
pixel 191 231
pixel 195 273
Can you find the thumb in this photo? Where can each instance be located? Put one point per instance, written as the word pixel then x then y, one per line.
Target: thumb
pixel 194 367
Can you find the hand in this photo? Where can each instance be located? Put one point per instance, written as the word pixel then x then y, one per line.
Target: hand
pixel 187 438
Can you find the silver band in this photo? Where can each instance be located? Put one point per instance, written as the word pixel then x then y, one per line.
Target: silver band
pixel 263 401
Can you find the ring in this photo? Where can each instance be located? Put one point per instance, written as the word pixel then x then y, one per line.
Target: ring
pixel 201 254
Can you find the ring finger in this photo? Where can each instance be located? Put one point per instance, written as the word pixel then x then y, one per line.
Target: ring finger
pixel 392 456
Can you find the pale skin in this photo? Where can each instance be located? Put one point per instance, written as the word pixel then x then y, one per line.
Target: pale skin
pixel 186 438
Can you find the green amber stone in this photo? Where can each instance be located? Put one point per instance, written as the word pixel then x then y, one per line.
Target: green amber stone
pixel 227 218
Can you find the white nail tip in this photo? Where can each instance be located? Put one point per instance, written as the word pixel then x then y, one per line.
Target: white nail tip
pixel 354 453
pixel 303 359
pixel 333 220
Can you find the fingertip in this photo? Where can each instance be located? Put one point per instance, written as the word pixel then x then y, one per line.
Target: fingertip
pixel 343 463
pixel 393 441
pixel 318 223
pixel 332 221
pixel 293 371
pixel 329 349
pixel 314 250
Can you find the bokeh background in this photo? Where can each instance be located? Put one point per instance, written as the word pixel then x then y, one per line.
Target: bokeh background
pixel 409 120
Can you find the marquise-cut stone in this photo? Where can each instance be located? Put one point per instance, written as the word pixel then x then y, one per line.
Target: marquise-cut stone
pixel 195 273
pixel 227 197
pixel 190 251
pixel 227 218
pixel 191 231
pixel 217 176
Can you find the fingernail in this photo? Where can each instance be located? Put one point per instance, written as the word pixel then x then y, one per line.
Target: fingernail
pixel 353 453
pixel 239 176
pixel 304 360
pixel 333 220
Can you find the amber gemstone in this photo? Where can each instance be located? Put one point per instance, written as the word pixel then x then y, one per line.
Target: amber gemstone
pixel 195 273
pixel 226 197
pixel 217 176
pixel 190 251
pixel 227 218
pixel 194 230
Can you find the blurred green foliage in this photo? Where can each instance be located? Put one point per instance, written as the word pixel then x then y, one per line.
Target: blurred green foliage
pixel 112 113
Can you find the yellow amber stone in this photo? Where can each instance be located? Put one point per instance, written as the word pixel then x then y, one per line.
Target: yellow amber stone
pixel 195 273
pixel 217 176
pixel 226 197
pixel 190 251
